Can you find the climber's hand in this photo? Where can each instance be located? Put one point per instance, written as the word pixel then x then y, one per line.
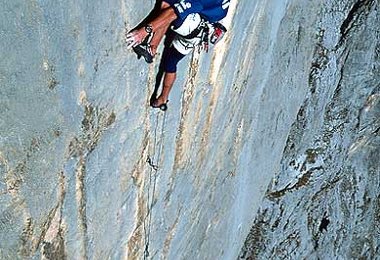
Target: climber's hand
pixel 135 37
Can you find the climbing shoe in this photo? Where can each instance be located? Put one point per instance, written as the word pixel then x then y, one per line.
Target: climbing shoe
pixel 162 106
pixel 144 50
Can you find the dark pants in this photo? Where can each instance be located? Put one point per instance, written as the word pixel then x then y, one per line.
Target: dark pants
pixel 170 59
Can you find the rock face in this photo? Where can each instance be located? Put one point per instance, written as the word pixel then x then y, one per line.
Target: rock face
pixel 324 201
pixel 89 171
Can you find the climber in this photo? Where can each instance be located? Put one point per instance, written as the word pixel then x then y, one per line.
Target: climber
pixel 187 24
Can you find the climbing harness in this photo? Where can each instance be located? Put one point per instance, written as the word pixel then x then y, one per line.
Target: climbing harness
pixel 204 34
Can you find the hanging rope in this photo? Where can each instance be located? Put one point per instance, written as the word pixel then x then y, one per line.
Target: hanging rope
pixel 151 164
pixel 152 181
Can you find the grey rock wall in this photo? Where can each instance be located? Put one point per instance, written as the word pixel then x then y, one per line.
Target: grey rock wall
pixel 324 200
pixel 76 133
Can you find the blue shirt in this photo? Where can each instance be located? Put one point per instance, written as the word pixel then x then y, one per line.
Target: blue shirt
pixel 211 10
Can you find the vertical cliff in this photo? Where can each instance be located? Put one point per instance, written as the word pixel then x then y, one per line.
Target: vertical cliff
pixel 89 171
pixel 324 200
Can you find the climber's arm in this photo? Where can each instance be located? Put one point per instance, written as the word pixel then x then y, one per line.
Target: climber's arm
pixel 166 17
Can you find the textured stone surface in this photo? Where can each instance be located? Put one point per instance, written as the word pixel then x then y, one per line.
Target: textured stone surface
pixel 324 200
pixel 76 133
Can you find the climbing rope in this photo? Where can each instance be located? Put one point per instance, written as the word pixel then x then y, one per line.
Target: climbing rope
pixel 154 168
